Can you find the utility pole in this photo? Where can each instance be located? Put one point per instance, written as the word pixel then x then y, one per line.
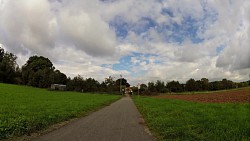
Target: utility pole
pixel 138 86
pixel 121 84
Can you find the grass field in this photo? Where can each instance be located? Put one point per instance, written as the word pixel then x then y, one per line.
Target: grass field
pixel 25 109
pixel 171 119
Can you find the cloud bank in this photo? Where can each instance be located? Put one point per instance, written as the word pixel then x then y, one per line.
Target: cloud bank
pixel 144 40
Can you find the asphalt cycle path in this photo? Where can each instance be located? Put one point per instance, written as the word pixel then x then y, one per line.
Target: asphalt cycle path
pixel 119 121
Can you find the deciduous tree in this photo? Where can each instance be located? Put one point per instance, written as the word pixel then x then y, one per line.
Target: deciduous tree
pixel 174 86
pixel 191 85
pixel 9 69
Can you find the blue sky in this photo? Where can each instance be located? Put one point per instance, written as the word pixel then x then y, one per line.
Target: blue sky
pixel 188 28
pixel 144 40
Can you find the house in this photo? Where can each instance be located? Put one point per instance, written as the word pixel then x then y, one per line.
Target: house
pixel 128 90
pixel 59 87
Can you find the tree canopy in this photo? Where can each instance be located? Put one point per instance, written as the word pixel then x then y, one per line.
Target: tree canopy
pixel 39 71
pixel 9 70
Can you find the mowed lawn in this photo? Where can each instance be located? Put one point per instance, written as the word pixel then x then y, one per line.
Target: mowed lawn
pixel 171 119
pixel 25 109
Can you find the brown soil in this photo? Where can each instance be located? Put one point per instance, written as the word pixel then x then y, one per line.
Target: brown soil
pixel 231 96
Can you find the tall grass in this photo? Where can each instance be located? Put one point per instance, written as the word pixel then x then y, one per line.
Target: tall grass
pixel 172 119
pixel 25 109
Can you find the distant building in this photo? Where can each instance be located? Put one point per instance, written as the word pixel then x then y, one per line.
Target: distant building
pixel 59 87
pixel 128 90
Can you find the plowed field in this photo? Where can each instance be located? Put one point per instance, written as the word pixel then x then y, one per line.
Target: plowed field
pixel 231 96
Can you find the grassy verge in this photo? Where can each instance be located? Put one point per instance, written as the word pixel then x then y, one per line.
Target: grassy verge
pixel 25 109
pixel 182 120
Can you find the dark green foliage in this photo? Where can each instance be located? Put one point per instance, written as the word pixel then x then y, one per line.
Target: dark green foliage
pixel 151 86
pixel 142 91
pixel 160 86
pixel 154 88
pixel 243 84
pixel 83 85
pixel 39 72
pixel 1 54
pixel 228 84
pixel 216 85
pixel 182 120
pixel 143 88
pixel 91 85
pixel 204 84
pixel 36 71
pixel 191 85
pixel 174 86
pixel 76 84
pixel 58 78
pixel 110 83
pixel 103 87
pixel 123 82
pixel 9 71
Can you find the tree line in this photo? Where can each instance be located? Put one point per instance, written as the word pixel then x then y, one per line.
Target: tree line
pixel 190 86
pixel 39 71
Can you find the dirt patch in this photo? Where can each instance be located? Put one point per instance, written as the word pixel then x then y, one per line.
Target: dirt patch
pixel 233 96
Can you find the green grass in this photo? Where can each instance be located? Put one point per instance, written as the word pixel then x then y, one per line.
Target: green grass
pixel 25 109
pixel 170 119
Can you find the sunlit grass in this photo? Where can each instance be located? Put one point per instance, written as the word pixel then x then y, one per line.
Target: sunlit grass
pixel 25 109
pixel 172 119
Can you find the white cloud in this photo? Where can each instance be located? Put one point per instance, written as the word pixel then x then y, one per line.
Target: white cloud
pixel 235 25
pixel 23 29
pixel 87 31
pixel 79 38
pixel 38 25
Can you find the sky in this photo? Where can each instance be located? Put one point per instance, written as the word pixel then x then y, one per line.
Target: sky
pixel 142 40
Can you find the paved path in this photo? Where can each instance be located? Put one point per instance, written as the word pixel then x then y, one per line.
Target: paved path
pixel 118 122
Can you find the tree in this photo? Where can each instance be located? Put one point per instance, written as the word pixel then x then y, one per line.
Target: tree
pixel 37 72
pixel 199 85
pixel 191 85
pixel 76 84
pixel 143 87
pixel 216 85
pixel 110 83
pixel 103 87
pixel 227 84
pixel 151 87
pixel 1 54
pixel 243 84
pixel 58 77
pixel 174 86
pixel 205 84
pixel 160 86
pixel 8 67
pixel 91 85
pixel 123 82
